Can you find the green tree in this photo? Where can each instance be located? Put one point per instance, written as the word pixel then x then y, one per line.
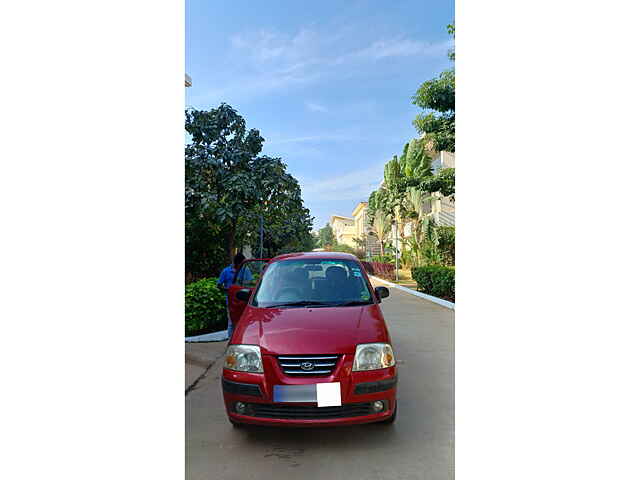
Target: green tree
pixel 451 30
pixel 415 199
pixel 437 97
pixel 372 205
pixel 287 223
pixel 415 164
pixel 228 185
pixel 326 237
pixel 444 182
pixel 220 166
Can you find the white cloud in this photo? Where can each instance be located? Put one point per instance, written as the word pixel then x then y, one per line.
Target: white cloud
pixel 316 107
pixel 356 185
pixel 402 48
pixel 265 46
pixel 328 137
pixel 264 60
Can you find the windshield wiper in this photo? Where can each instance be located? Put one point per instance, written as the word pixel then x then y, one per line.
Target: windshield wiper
pixel 353 302
pixel 302 303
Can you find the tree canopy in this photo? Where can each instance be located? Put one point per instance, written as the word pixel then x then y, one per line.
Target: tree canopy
pixel 437 97
pixel 228 185
pixel 444 182
pixel 326 237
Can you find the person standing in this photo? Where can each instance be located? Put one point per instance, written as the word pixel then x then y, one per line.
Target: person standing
pixel 226 280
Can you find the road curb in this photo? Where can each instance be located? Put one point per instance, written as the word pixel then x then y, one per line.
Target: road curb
pixel 220 336
pixel 439 301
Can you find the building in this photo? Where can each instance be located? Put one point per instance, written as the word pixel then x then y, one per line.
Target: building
pixel 343 229
pixel 443 208
pixel 363 229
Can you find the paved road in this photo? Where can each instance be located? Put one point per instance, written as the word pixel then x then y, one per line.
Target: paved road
pixel 418 446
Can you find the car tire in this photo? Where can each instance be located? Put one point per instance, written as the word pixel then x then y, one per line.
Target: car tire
pixel 392 418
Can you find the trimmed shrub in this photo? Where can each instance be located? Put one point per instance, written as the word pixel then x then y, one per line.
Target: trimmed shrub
pixel 436 280
pixel 204 307
pixel 382 270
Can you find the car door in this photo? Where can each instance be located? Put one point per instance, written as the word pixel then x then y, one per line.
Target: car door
pixel 247 278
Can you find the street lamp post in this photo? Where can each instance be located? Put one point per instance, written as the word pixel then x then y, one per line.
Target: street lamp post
pixel 265 202
pixel 395 234
pixel 397 253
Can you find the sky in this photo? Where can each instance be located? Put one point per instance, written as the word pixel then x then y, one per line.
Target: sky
pixel 328 84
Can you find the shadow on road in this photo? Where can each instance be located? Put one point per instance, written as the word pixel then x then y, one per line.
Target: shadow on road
pixel 302 438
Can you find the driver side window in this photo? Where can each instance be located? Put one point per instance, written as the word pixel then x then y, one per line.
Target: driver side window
pixel 249 273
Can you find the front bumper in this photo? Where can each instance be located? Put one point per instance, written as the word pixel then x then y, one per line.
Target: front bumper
pixel 358 391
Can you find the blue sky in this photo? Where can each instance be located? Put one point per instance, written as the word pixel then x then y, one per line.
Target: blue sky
pixel 328 84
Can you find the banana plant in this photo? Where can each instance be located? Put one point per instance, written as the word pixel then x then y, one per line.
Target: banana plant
pixel 381 226
pixel 430 249
pixel 415 200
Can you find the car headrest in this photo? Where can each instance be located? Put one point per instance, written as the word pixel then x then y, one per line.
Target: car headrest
pixel 336 274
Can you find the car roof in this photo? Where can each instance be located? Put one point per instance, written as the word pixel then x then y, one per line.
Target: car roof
pixel 315 255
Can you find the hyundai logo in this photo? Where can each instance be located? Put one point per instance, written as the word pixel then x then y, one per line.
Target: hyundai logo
pixel 307 366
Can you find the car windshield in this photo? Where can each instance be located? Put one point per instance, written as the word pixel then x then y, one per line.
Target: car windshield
pixel 308 283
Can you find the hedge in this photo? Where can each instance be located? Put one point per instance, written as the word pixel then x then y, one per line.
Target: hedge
pixel 204 307
pixel 436 280
pixel 383 270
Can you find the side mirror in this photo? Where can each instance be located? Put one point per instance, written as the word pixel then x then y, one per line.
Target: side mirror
pixel 382 292
pixel 244 294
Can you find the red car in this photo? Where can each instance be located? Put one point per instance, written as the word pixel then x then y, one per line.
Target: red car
pixel 310 346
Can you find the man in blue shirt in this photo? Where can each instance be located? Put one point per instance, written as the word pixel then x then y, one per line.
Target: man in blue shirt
pixel 226 280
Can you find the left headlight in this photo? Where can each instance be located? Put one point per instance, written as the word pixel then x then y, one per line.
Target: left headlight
pixel 373 356
pixel 243 358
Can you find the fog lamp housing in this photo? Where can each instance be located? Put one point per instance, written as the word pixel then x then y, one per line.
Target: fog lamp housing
pixel 377 406
pixel 241 408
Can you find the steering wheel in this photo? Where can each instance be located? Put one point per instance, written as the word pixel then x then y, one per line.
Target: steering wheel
pixel 289 290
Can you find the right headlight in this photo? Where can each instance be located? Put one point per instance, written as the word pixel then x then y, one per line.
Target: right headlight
pixel 243 358
pixel 373 356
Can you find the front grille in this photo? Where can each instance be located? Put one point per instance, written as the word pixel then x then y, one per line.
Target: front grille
pixel 241 388
pixel 302 412
pixel 308 365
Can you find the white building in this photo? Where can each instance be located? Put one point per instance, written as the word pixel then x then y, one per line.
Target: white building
pixel 444 211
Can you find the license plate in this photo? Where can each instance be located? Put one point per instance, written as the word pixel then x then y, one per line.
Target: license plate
pixel 324 394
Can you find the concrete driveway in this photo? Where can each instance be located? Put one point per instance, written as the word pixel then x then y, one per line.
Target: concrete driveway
pixel 418 446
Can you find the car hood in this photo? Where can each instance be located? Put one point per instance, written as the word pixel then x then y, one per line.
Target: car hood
pixel 300 331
